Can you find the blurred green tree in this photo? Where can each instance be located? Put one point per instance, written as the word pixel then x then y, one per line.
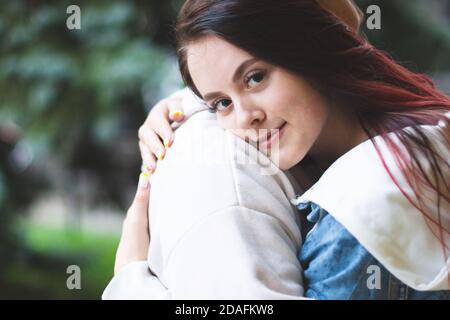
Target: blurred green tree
pixel 415 32
pixel 72 100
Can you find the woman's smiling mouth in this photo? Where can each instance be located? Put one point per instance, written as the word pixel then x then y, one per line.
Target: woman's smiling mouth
pixel 272 136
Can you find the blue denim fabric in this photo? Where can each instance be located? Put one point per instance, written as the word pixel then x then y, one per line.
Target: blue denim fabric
pixel 336 265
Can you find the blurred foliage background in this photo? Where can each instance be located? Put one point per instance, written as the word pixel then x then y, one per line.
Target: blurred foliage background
pixel 71 102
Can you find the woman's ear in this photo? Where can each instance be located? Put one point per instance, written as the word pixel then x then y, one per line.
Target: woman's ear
pixel 346 10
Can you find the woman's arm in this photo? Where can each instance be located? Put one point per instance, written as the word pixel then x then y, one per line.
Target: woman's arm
pixel 135 239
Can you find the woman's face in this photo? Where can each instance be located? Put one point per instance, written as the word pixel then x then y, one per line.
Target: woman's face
pixel 252 97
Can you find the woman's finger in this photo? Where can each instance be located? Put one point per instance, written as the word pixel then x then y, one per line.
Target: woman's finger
pixel 148 158
pixel 138 210
pixel 152 141
pixel 175 112
pixel 162 116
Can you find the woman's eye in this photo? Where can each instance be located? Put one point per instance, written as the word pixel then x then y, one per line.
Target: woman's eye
pixel 220 104
pixel 255 78
pixel 251 80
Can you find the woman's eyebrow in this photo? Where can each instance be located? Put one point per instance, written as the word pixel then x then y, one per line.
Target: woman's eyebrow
pixel 237 74
pixel 244 65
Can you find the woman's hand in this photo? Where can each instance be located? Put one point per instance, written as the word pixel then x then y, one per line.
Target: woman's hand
pixel 156 134
pixel 135 239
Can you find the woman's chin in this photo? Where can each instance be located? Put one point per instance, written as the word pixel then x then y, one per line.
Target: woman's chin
pixel 284 158
pixel 279 159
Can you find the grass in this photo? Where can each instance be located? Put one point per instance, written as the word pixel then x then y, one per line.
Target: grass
pixel 42 271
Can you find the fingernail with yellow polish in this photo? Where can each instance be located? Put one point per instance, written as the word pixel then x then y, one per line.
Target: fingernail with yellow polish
pixel 177 113
pixel 161 154
pixel 143 180
pixel 167 143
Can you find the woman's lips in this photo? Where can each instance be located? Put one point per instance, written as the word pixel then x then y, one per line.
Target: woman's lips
pixel 266 144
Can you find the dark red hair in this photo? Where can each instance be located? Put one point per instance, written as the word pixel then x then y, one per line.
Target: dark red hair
pixel 303 37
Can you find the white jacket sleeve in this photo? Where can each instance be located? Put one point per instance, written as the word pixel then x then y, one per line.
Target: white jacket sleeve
pixel 135 282
pixel 234 253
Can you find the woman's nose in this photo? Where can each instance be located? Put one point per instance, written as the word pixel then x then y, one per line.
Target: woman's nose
pixel 248 116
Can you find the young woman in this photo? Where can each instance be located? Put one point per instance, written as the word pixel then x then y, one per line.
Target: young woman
pixel 375 133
